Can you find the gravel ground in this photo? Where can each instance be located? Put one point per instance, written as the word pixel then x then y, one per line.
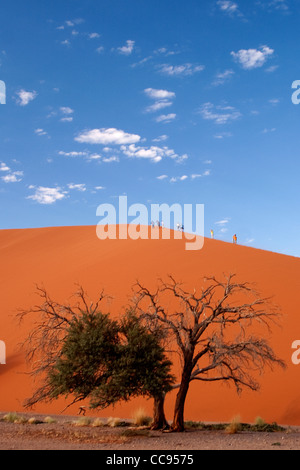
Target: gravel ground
pixel 64 435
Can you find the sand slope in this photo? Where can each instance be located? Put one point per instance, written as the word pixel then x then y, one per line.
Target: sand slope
pixel 60 257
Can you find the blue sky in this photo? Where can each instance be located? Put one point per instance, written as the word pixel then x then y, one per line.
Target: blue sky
pixel 162 101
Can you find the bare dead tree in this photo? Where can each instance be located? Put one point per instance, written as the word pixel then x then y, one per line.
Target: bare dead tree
pixel 51 321
pixel 212 331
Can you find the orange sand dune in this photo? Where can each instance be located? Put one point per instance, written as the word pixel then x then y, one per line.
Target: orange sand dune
pixel 60 257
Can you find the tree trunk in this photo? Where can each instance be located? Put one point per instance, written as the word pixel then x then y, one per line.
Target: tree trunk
pixel 159 419
pixel 178 420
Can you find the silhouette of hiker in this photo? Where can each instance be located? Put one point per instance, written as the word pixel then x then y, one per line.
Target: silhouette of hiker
pixel 234 239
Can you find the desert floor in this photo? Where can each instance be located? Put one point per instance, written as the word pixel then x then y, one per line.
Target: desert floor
pixel 64 435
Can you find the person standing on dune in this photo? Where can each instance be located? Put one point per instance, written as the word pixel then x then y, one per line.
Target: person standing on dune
pixel 212 234
pixel 234 239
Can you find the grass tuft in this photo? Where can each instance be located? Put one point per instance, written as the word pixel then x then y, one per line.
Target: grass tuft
pixel 234 426
pixel 82 422
pixel 49 420
pixel 97 423
pixel 140 418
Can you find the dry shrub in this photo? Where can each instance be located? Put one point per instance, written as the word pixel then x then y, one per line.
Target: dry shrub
pixel 234 426
pixel 49 420
pixel 83 421
pixel 98 423
pixel 114 422
pixel 259 421
pixel 140 418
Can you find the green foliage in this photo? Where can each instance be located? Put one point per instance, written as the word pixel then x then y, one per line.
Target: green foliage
pixel 107 361
pixel 88 355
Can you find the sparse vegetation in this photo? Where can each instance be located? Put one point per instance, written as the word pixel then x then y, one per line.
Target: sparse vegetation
pixel 234 426
pixel 116 422
pixel 49 420
pixel 82 421
pixel 97 423
pixel 34 420
pixel 259 421
pixel 13 417
pixel 140 418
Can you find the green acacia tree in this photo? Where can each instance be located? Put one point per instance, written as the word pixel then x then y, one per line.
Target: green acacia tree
pixel 84 354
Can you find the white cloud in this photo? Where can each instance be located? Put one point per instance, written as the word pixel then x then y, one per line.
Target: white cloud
pixel 205 173
pixel 153 153
pixel 219 114
pixel 94 156
pixel 272 68
pixel 252 58
pixel 178 178
pixel 100 49
pixel 66 42
pixel 162 177
pixel 110 159
pixel 267 131
pixel 94 35
pixel 128 49
pixel 164 51
pixel 162 98
pixel 180 70
pixel 66 110
pixel 281 5
pixel 72 154
pixel 14 177
pixel 274 101
pixel 194 176
pixel 77 187
pixel 66 119
pixel 4 167
pixel 228 7
pixel 223 77
pixel 161 138
pixel 159 94
pixel 72 23
pixel 47 196
pixel 222 222
pixel 223 135
pixel 40 132
pixel 158 105
pixel 110 136
pixel 25 97
pixel 166 118
pixel 99 188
